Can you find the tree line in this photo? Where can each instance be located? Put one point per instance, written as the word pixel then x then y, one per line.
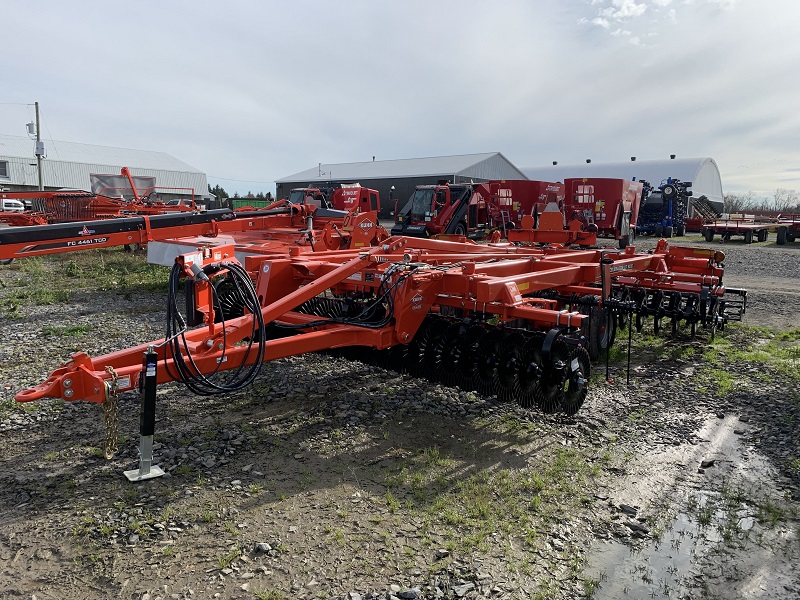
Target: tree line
pixel 784 201
pixel 220 193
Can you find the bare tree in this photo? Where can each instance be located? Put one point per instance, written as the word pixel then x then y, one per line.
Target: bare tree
pixel 786 200
pixel 738 203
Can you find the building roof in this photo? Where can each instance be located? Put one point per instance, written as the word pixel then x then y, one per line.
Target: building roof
pixel 465 164
pixel 22 147
pixel 702 172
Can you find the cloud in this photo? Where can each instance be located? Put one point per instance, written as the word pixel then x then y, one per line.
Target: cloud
pixel 261 90
pixel 621 10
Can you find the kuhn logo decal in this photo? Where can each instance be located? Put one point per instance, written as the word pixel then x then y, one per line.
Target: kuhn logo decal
pixel 86 231
pixel 365 225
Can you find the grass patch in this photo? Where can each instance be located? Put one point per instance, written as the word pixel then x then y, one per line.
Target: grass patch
pixel 54 279
pixel 66 330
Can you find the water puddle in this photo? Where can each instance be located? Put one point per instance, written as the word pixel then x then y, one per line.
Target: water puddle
pixel 674 565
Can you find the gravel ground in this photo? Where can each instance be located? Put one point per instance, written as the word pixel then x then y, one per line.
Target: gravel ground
pixel 336 479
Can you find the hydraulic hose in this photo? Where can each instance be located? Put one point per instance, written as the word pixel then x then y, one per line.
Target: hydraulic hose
pixel 219 381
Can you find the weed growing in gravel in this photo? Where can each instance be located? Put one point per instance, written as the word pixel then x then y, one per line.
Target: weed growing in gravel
pixel 392 503
pixel 232 555
pixel 66 330
pixel 269 595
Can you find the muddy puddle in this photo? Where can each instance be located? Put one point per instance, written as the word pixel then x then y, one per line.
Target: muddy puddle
pixel 671 566
pixel 719 532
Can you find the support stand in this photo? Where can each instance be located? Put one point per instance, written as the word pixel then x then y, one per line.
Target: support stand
pixel 147 421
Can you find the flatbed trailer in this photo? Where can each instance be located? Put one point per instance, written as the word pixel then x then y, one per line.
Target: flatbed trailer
pixel 752 230
pixel 788 229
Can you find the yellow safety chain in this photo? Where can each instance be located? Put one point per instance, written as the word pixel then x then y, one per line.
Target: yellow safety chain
pixel 111 416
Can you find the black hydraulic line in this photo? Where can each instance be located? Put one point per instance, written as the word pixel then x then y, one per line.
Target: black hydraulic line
pixel 186 369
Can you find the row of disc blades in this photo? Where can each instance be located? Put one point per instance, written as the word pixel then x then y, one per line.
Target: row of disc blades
pixel 509 363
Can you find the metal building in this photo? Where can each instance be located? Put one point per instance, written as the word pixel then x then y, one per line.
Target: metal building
pixel 702 172
pixel 403 175
pixel 69 164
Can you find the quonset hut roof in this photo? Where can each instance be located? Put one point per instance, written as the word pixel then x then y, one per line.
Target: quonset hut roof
pixel 490 165
pixel 702 172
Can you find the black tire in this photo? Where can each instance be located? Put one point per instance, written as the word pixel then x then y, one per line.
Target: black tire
pixel 461 228
pixel 668 231
pixel 708 235
pixel 626 241
pixel 748 237
pixel 602 332
pixel 659 231
pixel 680 231
pixel 781 238
pixel 763 235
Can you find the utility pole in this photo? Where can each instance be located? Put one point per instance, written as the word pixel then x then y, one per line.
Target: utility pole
pixel 39 151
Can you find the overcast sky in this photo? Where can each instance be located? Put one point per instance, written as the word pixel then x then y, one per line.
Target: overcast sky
pixel 250 92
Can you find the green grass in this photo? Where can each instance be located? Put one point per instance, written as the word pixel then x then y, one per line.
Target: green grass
pixel 269 595
pixel 66 330
pixel 229 557
pixel 56 278
pixel 478 507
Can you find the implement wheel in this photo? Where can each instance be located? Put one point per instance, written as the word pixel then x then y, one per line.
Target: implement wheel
pixel 602 332
pixel 781 237
pixel 748 237
pixel 708 235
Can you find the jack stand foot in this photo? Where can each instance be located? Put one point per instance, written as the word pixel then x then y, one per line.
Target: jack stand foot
pixel 146 470
pixel 137 475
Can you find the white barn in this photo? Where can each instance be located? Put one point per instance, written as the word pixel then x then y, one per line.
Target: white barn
pixel 68 165
pixel 702 172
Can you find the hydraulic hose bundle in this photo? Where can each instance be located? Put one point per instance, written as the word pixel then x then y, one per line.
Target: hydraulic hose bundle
pixel 224 378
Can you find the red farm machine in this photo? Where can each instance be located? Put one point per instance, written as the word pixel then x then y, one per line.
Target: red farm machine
pixel 473 210
pixel 138 195
pixel 346 197
pixel 575 212
pixel 273 230
pixel 519 321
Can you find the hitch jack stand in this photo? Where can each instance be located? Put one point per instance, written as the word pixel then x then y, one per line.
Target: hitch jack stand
pixel 147 422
